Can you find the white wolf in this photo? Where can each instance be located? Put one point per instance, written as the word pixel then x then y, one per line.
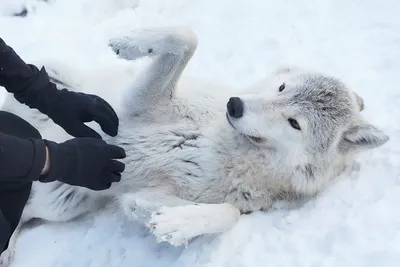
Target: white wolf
pixel 196 160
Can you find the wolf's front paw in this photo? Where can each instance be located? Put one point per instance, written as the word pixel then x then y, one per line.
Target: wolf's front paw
pixel 173 225
pixel 178 225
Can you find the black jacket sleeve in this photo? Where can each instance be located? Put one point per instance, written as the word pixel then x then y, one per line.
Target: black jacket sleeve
pixel 29 84
pixel 17 77
pixel 21 160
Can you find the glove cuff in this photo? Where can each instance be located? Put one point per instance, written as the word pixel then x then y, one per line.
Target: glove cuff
pixel 55 171
pixel 39 159
pixel 38 92
pixel 64 159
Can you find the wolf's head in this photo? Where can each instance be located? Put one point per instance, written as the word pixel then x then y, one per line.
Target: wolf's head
pixel 310 122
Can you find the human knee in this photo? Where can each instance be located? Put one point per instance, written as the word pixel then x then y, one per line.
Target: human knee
pixel 12 124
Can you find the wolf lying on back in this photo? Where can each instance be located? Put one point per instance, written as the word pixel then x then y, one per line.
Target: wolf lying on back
pixel 196 162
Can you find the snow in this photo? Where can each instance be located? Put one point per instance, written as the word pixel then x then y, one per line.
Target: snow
pixel 354 223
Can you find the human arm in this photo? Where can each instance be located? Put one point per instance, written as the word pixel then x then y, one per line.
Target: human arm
pixel 21 160
pixel 70 110
pixel 86 162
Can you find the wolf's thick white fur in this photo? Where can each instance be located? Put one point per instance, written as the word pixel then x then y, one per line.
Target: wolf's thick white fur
pixel 192 168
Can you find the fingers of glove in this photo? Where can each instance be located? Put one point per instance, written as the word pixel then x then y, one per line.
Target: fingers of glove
pixel 107 124
pixel 81 130
pixel 115 177
pixel 112 178
pixel 110 110
pixel 106 107
pixel 116 166
pixel 116 152
pixel 101 187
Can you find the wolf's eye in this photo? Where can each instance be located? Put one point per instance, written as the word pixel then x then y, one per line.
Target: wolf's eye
pixel 282 87
pixel 294 123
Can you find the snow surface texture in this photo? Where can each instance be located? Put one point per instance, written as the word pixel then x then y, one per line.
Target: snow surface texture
pixel 355 223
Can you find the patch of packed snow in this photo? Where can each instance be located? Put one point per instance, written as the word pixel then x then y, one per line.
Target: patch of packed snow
pixel 354 223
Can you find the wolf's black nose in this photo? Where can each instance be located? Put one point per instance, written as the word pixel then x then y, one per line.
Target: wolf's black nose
pixel 235 107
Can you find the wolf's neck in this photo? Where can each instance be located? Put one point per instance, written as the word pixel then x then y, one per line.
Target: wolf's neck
pixel 237 155
pixel 242 174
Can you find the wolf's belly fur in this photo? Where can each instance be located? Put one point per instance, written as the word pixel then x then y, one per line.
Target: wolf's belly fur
pixel 178 156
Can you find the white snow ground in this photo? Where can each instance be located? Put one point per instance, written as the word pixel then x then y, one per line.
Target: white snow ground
pixel 355 223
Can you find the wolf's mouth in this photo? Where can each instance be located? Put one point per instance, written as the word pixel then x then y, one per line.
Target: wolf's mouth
pixel 229 120
pixel 255 139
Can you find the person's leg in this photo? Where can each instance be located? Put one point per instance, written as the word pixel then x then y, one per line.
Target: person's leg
pixel 13 125
pixel 14 196
pixel 5 232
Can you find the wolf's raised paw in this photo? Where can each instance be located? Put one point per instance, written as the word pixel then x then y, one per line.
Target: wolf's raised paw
pixel 153 41
pixel 131 49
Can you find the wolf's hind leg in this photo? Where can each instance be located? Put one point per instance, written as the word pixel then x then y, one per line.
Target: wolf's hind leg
pixel 59 202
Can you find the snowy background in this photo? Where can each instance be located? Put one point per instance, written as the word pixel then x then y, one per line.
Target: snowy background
pixel 355 223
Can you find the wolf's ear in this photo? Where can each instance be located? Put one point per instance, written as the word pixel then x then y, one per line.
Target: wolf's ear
pixel 360 101
pixel 362 136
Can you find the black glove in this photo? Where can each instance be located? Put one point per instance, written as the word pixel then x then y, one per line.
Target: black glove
pixel 86 162
pixel 66 108
pixel 71 109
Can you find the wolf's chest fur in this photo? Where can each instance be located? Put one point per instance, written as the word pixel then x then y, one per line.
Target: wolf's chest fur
pixel 199 162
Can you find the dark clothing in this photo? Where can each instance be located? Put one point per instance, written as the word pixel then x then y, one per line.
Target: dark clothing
pixel 16 175
pixel 22 156
pixel 5 233
pixel 21 159
pixel 70 110
pixel 87 161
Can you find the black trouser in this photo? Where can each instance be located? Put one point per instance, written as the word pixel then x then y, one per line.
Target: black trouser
pixel 13 196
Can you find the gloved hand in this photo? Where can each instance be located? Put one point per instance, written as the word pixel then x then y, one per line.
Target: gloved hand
pixel 86 162
pixel 66 108
pixel 70 109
